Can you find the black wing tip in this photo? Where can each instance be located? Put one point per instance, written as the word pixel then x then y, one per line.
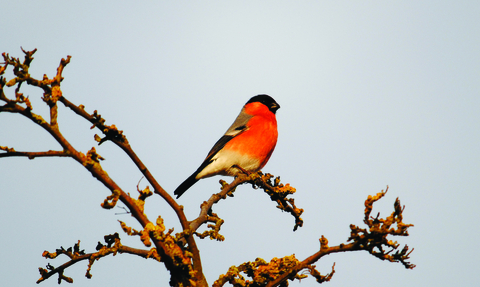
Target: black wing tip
pixel 179 193
pixel 185 185
pixel 266 100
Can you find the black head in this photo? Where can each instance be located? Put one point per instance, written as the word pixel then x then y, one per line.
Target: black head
pixel 267 101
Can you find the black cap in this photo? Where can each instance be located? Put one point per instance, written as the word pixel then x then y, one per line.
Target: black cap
pixel 268 101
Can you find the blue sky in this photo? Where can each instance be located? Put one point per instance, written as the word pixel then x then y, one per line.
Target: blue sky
pixel 372 94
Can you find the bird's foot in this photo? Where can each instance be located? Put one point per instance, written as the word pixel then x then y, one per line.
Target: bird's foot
pixel 242 170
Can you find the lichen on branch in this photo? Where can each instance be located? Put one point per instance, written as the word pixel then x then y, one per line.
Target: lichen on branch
pixel 112 246
pixel 373 239
pixel 179 252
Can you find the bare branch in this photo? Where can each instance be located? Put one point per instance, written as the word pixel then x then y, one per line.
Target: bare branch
pixel 373 240
pixel 116 136
pixel 206 206
pixel 52 93
pixel 32 154
pixel 76 255
pixel 179 252
pixel 277 192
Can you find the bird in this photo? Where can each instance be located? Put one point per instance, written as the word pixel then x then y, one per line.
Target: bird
pixel 245 147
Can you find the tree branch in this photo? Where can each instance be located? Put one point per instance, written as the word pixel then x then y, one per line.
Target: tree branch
pixel 372 239
pixel 32 154
pixel 206 206
pixel 183 260
pixel 277 192
pixel 76 255
pixel 116 136
pixel 52 93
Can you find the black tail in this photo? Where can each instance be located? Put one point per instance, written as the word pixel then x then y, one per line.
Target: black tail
pixel 186 185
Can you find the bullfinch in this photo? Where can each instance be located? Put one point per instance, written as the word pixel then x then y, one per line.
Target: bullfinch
pixel 246 146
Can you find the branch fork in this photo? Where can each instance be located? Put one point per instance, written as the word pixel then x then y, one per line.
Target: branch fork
pixel 179 252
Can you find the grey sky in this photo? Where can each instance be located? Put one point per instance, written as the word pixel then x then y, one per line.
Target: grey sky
pixel 371 94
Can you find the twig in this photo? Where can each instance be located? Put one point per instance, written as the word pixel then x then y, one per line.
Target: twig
pixel 32 154
pixel 76 256
pixel 90 161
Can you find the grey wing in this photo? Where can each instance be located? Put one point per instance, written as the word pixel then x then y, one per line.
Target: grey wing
pixel 238 126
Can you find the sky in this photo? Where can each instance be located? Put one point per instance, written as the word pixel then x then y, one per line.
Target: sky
pixel 372 93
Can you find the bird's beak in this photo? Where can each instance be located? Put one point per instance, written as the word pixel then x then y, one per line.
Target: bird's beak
pixel 274 107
